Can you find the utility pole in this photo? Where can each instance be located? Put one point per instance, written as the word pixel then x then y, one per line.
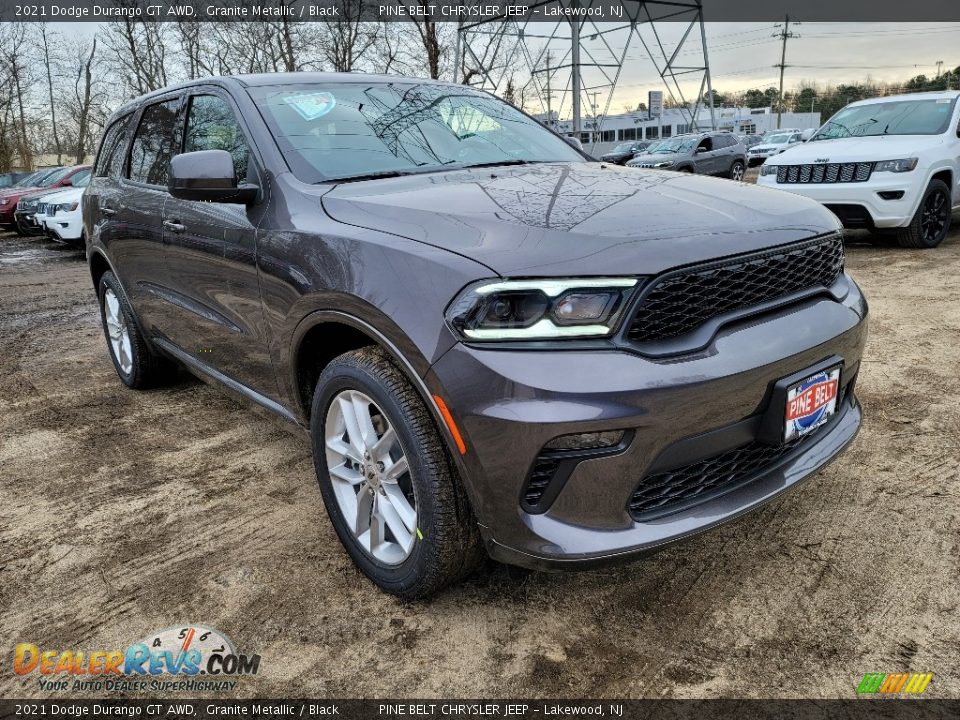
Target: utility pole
pixel 549 94
pixel 939 68
pixel 575 68
pixel 784 35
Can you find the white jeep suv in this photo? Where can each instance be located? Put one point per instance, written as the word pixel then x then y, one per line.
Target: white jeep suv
pixel 890 163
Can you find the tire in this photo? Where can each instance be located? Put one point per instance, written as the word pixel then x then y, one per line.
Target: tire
pixel 931 223
pixel 737 170
pixel 137 366
pixel 417 555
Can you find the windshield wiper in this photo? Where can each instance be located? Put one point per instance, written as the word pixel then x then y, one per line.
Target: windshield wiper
pixel 498 163
pixel 380 175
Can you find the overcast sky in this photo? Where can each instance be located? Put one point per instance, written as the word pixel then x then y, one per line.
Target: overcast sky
pixel 742 55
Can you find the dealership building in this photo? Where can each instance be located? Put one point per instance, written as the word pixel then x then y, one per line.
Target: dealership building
pixel 600 134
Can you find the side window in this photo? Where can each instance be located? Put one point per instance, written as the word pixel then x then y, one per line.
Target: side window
pixel 154 144
pixel 211 125
pixel 110 160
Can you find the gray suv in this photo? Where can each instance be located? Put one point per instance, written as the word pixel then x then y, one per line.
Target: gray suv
pixel 709 153
pixel 488 351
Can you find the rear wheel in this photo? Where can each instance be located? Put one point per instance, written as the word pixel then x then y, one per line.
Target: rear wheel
pixel 737 170
pixel 389 486
pixel 136 365
pixel 931 222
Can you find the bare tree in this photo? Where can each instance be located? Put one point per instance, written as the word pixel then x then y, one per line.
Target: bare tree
pixel 434 42
pixel 138 53
pixel 13 55
pixel 84 96
pixel 345 41
pixel 48 64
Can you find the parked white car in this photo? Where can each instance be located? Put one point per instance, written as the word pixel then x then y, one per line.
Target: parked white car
pixel 888 163
pixel 773 144
pixel 60 213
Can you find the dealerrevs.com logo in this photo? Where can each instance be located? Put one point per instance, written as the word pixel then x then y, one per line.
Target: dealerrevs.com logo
pixel 905 683
pixel 196 657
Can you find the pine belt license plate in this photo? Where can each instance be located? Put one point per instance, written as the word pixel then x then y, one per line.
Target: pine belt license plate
pixel 810 403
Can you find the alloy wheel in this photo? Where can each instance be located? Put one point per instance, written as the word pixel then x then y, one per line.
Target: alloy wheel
pixel 370 477
pixel 118 331
pixel 934 217
pixel 737 172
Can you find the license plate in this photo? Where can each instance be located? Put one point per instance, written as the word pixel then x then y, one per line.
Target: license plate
pixel 810 403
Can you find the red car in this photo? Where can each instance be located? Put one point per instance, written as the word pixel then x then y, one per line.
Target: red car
pixel 47 180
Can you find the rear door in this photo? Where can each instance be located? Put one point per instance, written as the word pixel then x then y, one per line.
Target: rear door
pixel 100 199
pixel 137 209
pixel 212 256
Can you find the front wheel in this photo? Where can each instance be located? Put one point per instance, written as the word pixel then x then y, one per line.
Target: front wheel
pixel 931 222
pixel 389 486
pixel 737 170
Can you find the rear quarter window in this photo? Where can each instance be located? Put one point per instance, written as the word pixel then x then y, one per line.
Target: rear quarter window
pixel 109 161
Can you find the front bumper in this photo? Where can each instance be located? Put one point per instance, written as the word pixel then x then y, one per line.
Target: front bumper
pixel 67 227
pixel 880 213
pixel 510 403
pixel 756 158
pixel 26 220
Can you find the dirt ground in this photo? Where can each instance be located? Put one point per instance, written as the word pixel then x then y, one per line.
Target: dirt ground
pixel 126 512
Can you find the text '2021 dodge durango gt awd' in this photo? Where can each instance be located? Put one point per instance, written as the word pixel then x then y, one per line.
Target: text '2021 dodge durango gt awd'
pixel 498 345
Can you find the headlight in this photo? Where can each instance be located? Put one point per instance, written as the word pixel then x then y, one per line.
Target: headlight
pixel 768 169
pixel 67 207
pixel 905 165
pixel 540 309
pixel 663 164
pixel 4 201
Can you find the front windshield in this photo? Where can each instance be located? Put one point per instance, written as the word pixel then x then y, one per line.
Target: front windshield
pixel 31 179
pixel 345 130
pixel 897 117
pixel 53 177
pixel 777 139
pixel 674 145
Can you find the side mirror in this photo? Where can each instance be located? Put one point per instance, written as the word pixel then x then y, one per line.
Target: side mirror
pixel 66 182
pixel 701 149
pixel 207 175
pixel 574 142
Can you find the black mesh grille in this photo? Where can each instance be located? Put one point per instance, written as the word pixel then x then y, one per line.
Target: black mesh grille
pixel 682 301
pixel 662 492
pixel 824 173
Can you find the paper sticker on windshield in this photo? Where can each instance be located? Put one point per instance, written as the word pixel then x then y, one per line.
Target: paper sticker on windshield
pixel 313 105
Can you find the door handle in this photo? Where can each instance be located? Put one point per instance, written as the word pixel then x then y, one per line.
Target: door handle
pixel 174 226
pixel 109 212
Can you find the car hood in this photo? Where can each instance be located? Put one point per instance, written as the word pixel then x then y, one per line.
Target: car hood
pixel 565 219
pixel 15 192
pixel 767 148
pixel 60 196
pixel 643 158
pixel 862 149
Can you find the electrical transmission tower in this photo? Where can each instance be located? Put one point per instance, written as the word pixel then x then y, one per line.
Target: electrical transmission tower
pixel 579 59
pixel 785 34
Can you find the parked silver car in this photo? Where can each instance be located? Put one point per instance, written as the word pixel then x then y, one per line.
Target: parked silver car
pixel 709 153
